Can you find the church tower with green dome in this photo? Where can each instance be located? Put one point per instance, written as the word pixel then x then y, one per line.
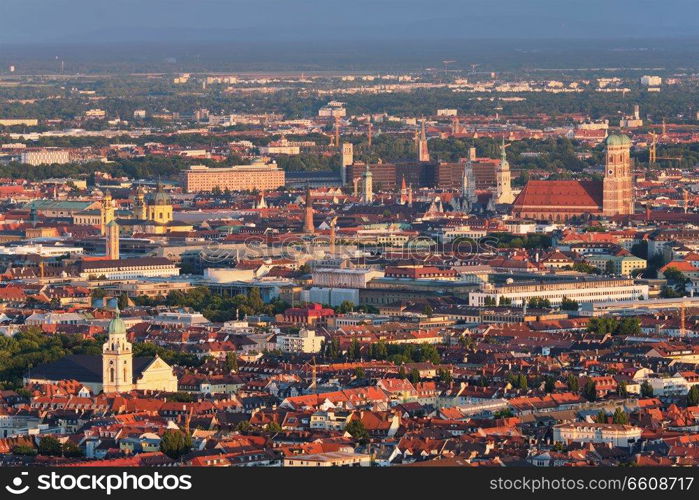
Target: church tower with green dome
pixel 618 195
pixel 159 206
pixel 117 358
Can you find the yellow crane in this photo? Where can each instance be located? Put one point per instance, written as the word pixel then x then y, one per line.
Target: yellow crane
pixel 653 148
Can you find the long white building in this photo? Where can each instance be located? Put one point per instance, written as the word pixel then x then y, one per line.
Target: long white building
pixel 582 290
pixel 344 278
pixel 620 435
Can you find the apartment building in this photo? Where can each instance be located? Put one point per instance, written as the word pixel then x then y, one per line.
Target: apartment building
pixel 306 342
pixel 259 176
pixel 45 156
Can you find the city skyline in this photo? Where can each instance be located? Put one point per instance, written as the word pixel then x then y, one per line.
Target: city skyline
pixel 430 236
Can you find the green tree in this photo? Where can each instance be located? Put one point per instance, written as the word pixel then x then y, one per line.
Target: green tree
pixel 175 443
pixel 620 417
pixel 504 413
pixel 181 397
pixel 569 305
pixel 428 311
pixel 693 396
pixel 346 307
pixel 622 389
pixel 601 417
pixel 628 326
pixel 231 362
pixel 353 352
pixel 675 276
pixel 333 348
pixel 583 267
pixel 24 450
pixel 414 376
pixel 549 384
pixel 273 427
pixel 123 301
pixel 380 350
pixel 539 303
pixel 445 376
pixel 71 450
pixel 590 390
pixel 50 446
pixel 646 389
pixel 243 426
pixel 428 353
pixel 609 267
pixel 357 430
pixel 359 372
pixel 573 383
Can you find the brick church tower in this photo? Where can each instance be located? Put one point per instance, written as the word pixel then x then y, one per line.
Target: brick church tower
pixel 618 183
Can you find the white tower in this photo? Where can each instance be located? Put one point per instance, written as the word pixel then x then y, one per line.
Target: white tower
pixel 468 188
pixel 367 186
pixel 117 359
pixel 503 193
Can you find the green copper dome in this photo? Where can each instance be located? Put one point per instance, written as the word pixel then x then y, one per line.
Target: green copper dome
pixel 618 140
pixel 160 197
pixel 117 325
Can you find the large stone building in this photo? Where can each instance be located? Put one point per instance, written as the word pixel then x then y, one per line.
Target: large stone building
pixel 259 176
pixel 115 371
pixel 581 289
pixel 561 200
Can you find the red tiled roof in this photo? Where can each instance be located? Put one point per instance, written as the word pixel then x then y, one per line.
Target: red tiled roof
pixel 586 194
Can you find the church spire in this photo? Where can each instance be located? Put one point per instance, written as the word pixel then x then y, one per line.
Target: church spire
pixel 367 186
pixel 423 154
pixel 403 192
pixel 468 187
pixel 503 192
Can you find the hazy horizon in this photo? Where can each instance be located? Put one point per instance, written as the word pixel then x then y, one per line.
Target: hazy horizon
pixel 71 22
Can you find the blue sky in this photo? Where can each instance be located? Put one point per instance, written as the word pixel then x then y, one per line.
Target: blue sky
pixel 90 21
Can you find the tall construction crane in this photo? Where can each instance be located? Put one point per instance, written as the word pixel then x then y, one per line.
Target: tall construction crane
pixel 337 132
pixel 314 375
pixel 653 150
